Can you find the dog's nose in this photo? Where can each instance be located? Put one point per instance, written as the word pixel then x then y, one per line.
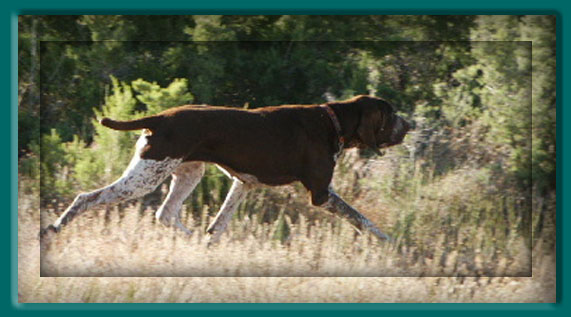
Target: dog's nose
pixel 404 125
pixel 407 126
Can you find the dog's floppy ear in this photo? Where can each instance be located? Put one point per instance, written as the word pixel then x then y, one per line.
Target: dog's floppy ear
pixel 370 123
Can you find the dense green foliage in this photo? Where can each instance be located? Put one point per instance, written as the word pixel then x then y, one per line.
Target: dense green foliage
pixel 464 80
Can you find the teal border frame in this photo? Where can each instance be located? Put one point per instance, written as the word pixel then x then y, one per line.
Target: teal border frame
pixel 8 137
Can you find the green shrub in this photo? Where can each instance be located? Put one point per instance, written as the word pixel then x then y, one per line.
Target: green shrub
pixel 54 182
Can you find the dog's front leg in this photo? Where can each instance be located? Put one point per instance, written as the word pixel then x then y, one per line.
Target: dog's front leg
pixel 237 193
pixel 338 206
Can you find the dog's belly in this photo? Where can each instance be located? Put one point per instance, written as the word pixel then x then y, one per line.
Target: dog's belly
pixel 259 179
pixel 245 178
pixel 251 173
pixel 251 164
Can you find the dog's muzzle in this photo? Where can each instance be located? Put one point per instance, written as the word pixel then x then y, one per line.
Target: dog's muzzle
pixel 399 131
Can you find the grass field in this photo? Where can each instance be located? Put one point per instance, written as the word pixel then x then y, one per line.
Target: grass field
pixel 132 259
pixel 135 260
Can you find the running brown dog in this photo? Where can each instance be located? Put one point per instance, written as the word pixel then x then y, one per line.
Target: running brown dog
pixel 271 146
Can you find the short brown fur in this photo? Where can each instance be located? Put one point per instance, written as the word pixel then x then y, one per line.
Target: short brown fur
pixel 277 145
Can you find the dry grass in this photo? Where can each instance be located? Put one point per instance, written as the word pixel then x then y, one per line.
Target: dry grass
pixel 137 247
pixel 457 240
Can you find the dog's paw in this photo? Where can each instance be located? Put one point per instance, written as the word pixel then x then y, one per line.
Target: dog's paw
pixel 212 239
pixel 47 230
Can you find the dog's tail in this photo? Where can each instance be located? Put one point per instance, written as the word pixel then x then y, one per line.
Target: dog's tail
pixel 137 124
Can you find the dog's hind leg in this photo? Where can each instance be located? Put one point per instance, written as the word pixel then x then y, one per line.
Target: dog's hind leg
pixel 141 177
pixel 184 180
pixel 235 196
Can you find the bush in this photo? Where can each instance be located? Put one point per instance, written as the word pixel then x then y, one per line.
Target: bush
pixel 54 182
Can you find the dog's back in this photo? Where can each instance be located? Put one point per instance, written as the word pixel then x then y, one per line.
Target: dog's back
pixel 269 143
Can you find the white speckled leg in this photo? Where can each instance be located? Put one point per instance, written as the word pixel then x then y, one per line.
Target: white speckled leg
pixel 237 193
pixel 339 207
pixel 184 180
pixel 142 176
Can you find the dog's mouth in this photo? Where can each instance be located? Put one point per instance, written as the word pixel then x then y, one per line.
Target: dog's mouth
pixel 399 132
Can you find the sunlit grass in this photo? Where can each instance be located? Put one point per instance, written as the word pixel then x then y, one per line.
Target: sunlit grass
pixel 444 251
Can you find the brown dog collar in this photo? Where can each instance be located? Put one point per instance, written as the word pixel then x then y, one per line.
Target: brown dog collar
pixel 336 124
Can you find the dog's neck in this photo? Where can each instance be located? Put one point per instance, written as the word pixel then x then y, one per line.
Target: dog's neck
pixel 348 119
pixel 336 123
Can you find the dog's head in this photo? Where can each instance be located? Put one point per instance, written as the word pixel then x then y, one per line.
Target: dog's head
pixel 379 126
